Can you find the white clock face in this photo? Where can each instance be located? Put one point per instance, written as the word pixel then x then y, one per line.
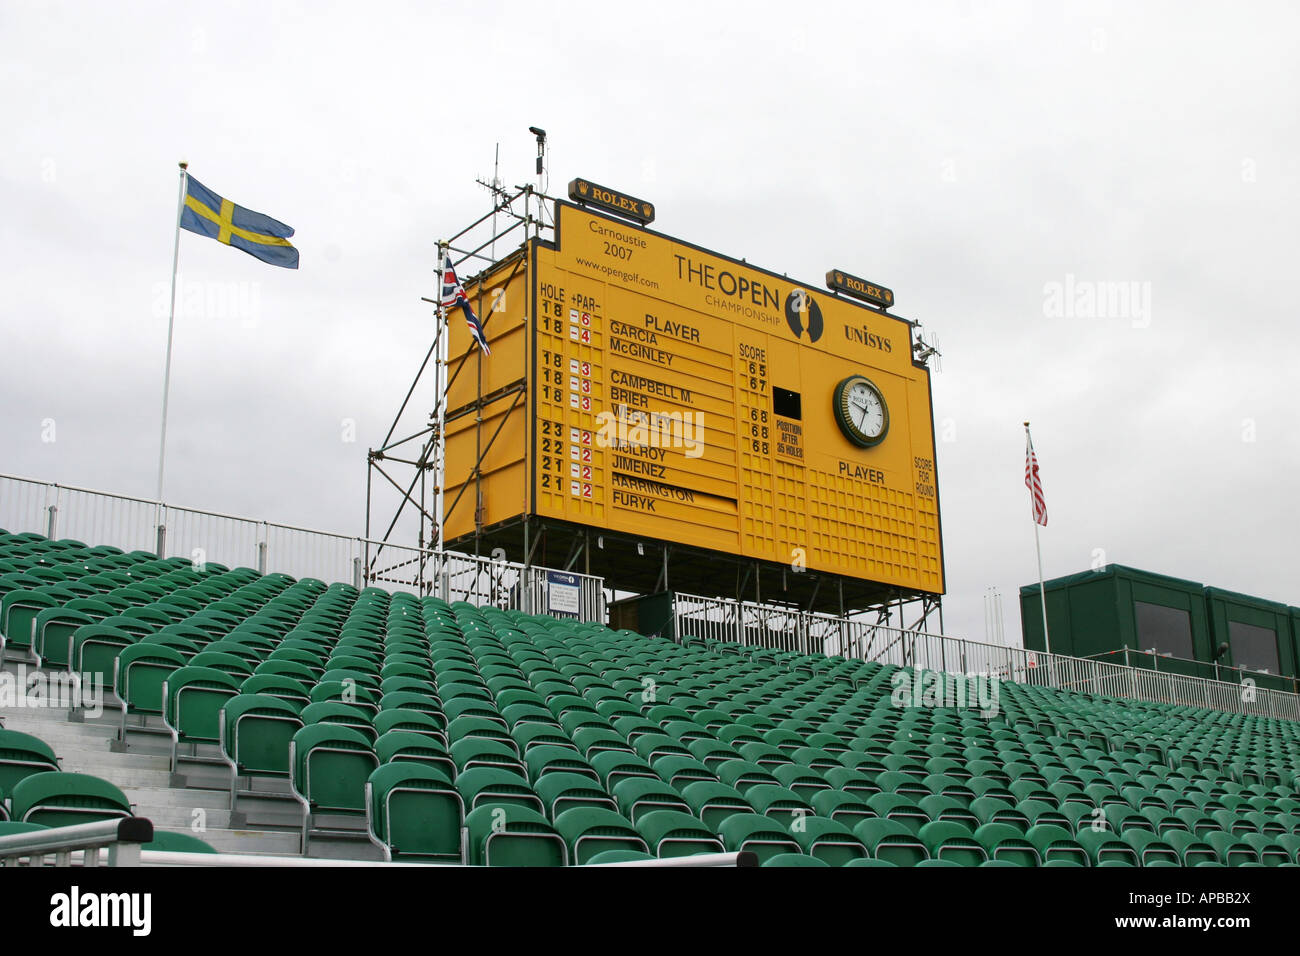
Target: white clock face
pixel 861 411
pixel 865 410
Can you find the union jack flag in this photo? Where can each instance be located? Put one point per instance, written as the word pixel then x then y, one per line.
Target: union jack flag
pixel 453 296
pixel 1033 482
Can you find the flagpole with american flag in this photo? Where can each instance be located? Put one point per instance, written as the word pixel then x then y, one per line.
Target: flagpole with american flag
pixel 1034 482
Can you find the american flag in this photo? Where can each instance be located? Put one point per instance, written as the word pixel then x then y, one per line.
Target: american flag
pixel 453 296
pixel 1033 482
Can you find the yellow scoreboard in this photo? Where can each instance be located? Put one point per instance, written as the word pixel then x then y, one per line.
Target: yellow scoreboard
pixel 641 385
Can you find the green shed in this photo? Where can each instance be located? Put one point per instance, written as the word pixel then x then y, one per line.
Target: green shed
pixel 1101 612
pixel 1258 632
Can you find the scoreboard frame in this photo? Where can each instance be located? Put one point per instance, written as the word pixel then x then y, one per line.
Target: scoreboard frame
pixel 707 567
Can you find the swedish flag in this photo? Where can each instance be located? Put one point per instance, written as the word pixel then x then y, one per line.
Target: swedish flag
pixel 260 236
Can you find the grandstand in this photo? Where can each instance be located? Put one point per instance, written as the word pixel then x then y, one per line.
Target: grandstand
pixel 253 714
pixel 243 692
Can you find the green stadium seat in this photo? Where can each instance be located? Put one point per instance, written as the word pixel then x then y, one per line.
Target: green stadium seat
pixel 673 833
pixel 761 835
pixel 138 675
pixel 53 629
pixel 1103 845
pixel 678 771
pixel 192 700
pixel 55 799
pixel 794 859
pixel 948 840
pixel 589 830
pixel 329 766
pixel 560 791
pixel 340 714
pixel 19 608
pixel 615 767
pixel 712 802
pixel 852 781
pixel 413 812
pixel 870 861
pixel 511 835
pixel 842 806
pixel 827 840
pixel 1191 850
pixel 1056 843
pixel 21 756
pixel 1231 849
pixel 639 796
pixel 166 841
pixel 10 827
pixel 417 722
pixel 287 689
pixel 895 806
pixel 744 775
pixel 550 758
pixel 619 856
pixel 1004 841
pixel 1269 851
pixel 1151 849
pixel 255 731
pixel 496 785
pixel 891 841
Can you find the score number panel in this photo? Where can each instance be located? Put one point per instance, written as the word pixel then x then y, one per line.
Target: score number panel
pixel 656 418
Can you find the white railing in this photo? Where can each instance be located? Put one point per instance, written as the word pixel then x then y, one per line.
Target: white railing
pixel 750 625
pixel 138 524
pixel 120 838
pixel 159 858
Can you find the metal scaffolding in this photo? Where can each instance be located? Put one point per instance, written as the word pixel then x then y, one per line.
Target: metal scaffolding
pixel 406 475
pixel 409 462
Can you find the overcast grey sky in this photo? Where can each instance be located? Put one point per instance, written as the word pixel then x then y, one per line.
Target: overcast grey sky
pixel 982 159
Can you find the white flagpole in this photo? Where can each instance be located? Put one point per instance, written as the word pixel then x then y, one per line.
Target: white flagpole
pixel 171 323
pixel 1042 588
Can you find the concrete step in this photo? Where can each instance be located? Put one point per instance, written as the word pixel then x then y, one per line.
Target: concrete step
pixel 183 818
pixel 330 848
pixel 174 797
pixel 202 776
pixel 120 777
pixel 62 743
pixel 111 761
pixel 269 814
pixel 269 842
pixel 266 825
pixel 43 722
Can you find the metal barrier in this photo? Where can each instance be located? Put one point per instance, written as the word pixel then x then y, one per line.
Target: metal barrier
pixel 85 844
pixel 752 625
pixel 160 858
pixel 121 838
pixel 1148 660
pixel 138 524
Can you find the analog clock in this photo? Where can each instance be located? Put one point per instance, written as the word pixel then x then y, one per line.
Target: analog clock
pixel 861 412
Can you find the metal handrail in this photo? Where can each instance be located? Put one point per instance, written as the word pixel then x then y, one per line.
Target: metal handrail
pixel 169 858
pixel 1230 668
pixel 725 618
pixel 121 837
pixel 234 539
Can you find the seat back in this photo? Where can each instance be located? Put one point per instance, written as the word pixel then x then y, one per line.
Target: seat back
pixel 56 798
pixel 413 810
pixel 329 767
